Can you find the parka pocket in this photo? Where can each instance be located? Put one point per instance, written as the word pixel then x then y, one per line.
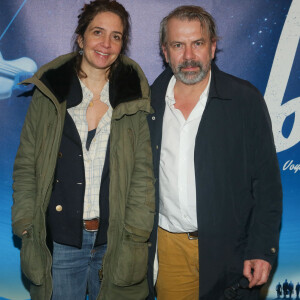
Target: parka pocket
pixel 31 262
pixel 131 265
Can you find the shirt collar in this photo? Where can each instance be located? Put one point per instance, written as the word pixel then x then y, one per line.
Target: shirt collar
pixel 87 95
pixel 170 99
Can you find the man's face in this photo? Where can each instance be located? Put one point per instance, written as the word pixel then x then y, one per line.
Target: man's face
pixel 188 50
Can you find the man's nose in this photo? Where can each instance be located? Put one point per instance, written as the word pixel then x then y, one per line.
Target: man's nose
pixel 189 53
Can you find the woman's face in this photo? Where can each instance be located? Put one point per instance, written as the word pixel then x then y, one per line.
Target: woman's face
pixel 102 42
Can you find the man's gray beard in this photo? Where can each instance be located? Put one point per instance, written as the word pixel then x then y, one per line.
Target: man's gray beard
pixel 191 78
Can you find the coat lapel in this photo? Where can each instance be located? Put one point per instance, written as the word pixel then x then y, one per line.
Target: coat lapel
pixel 155 120
pixel 70 130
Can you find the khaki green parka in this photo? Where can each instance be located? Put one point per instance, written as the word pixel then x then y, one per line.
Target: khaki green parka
pixel 131 192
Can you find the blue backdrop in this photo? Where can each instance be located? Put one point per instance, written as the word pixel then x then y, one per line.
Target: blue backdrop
pixel 260 43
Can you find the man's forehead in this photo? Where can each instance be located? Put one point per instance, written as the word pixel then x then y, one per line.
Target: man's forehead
pixel 177 24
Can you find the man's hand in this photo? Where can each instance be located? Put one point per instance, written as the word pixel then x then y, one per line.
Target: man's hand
pixel 257 271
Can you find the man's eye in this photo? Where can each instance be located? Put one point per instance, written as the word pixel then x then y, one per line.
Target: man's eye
pixel 177 45
pixel 97 32
pixel 199 43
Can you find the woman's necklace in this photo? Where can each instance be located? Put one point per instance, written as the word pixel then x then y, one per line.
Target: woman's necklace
pixel 92 102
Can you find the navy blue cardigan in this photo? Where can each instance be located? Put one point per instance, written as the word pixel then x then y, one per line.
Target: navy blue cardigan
pixel 65 224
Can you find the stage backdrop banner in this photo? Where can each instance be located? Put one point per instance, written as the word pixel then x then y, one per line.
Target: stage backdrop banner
pixel 259 42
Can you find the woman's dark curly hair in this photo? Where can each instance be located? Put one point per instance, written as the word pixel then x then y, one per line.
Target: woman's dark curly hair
pixel 88 13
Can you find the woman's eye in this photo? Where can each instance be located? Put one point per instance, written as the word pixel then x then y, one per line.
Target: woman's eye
pixel 117 38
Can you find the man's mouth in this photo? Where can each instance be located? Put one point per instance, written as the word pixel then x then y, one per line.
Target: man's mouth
pixel 189 69
pixel 189 66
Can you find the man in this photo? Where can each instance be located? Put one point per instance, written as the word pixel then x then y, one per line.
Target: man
pixel 291 289
pixel 285 288
pixel 218 189
pixel 279 289
pixel 297 290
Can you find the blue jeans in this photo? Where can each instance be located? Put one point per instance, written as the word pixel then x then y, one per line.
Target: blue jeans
pixel 75 271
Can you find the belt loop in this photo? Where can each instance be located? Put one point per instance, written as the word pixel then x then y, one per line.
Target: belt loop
pixel 193 235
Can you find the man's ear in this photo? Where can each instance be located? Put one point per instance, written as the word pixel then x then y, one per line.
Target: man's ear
pixel 213 49
pixel 165 52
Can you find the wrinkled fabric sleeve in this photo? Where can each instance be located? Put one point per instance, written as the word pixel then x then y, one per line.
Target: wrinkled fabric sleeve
pixel 263 236
pixel 24 175
pixel 139 215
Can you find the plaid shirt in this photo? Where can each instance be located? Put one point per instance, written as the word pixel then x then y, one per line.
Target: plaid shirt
pixel 94 157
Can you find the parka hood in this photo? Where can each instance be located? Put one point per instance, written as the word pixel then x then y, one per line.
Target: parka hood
pixel 127 84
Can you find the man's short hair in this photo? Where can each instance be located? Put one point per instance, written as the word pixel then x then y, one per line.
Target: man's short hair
pixel 190 13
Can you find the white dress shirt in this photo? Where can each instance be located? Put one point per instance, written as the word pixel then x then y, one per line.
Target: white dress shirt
pixel 177 185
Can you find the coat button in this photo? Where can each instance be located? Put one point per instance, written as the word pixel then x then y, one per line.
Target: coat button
pixel 273 250
pixel 156 147
pixel 59 155
pixel 101 274
pixel 58 208
pixel 153 118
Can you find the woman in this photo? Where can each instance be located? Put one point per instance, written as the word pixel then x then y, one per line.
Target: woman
pixel 84 168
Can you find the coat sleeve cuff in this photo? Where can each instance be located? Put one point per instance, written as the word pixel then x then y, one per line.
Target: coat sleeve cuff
pixel 20 226
pixel 270 255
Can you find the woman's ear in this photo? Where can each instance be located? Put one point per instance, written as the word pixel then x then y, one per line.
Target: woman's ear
pixel 80 41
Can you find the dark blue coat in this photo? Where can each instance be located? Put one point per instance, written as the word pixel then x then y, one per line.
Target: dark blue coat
pixel 238 186
pixel 65 226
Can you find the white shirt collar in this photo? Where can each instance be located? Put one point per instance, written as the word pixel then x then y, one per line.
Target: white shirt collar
pixel 170 98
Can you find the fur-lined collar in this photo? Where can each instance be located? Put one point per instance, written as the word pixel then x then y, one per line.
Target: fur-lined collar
pixel 124 86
